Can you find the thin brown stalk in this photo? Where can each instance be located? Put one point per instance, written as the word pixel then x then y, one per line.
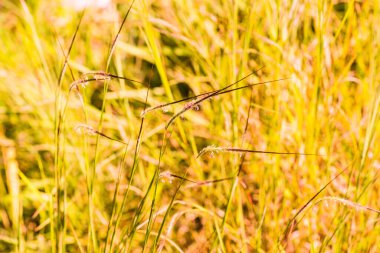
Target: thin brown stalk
pixel 241 150
pixel 167 176
pixel 210 95
pixel 293 220
pixel 86 129
pixel 195 103
pixel 200 95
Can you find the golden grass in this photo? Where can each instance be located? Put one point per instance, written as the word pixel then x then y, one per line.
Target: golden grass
pixel 91 161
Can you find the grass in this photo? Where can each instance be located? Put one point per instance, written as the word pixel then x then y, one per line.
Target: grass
pixel 184 126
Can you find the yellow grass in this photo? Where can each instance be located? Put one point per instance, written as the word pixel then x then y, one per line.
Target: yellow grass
pixel 90 161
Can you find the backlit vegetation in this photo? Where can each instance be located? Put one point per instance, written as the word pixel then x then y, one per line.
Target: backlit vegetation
pixel 190 126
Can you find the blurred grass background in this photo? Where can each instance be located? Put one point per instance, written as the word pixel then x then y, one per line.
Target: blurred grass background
pixel 64 191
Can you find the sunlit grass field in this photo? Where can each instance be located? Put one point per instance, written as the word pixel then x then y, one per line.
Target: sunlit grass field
pixel 190 126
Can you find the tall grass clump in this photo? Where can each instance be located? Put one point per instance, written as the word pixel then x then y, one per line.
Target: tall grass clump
pixel 189 126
